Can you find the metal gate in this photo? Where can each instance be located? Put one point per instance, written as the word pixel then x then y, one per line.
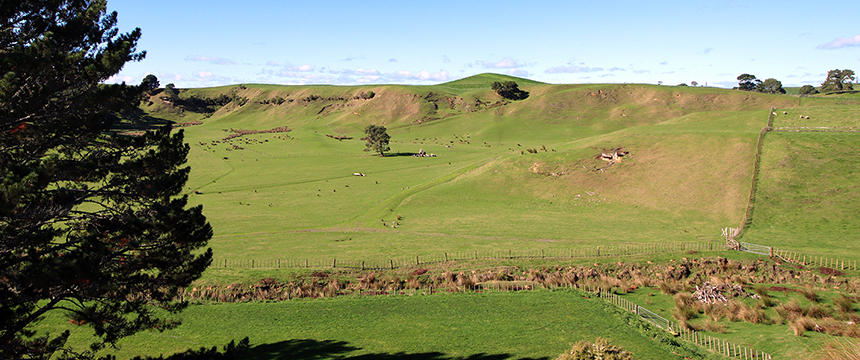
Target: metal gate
pixel 653 318
pixel 755 248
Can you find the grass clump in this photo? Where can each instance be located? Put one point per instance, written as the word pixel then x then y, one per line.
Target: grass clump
pixel 839 350
pixel 600 349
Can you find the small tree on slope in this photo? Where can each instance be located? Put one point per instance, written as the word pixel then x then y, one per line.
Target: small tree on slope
pixel 376 139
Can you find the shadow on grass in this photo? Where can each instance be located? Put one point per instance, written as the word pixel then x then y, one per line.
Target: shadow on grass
pixel 309 349
pixel 394 154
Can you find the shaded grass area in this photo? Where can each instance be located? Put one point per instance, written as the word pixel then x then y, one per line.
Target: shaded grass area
pixel 530 325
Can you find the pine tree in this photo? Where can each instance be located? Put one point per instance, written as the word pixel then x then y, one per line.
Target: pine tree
pixel 92 222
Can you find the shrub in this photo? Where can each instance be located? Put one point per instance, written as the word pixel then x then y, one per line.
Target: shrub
pixel 509 90
pixel 713 326
pixel 600 349
pixel 752 315
pixel 808 90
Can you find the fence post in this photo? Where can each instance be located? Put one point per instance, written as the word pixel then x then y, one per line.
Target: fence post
pixel 252 263
pixel 416 260
pixel 391 262
pixel 334 263
pixel 225 262
pixel 446 257
pixel 362 265
pixel 279 263
pixel 771 251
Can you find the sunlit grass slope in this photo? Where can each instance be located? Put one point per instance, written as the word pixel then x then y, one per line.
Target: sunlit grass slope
pixel 294 194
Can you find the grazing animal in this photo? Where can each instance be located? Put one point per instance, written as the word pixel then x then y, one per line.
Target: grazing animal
pixel 358 174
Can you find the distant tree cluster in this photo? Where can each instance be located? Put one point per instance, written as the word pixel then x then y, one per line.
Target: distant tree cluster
pixel 366 95
pixel 509 90
pixel 748 82
pixel 836 81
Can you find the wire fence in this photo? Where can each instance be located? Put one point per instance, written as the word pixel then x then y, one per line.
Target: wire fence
pixel 509 254
pixel 800 257
pixel 713 344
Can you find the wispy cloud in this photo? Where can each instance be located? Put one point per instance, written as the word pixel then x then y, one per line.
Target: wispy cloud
pixel 506 63
pixel 573 69
pixel 841 43
pixel 272 63
pixel 311 74
pixel 392 60
pixel 517 72
pixel 302 68
pixel 707 51
pixel 211 60
pixel 351 58
pixel 664 63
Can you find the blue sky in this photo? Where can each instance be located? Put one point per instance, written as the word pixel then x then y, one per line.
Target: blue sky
pixel 206 43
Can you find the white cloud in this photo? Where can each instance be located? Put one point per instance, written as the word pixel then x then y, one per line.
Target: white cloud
pixel 517 72
pixel 211 60
pixel 506 63
pixel 841 43
pixel 302 68
pixel 572 69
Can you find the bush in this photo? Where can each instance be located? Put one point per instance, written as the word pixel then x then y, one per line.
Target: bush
pixel 808 90
pixel 509 90
pixel 599 349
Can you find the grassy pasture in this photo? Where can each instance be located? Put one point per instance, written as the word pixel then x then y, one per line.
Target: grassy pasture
pixel 807 196
pixel 442 326
pixel 293 194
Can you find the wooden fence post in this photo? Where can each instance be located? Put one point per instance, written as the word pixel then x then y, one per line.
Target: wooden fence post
pixel 334 263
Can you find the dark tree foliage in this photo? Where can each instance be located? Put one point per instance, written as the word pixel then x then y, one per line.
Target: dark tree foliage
pixel 808 90
pixel 92 223
pixel 748 82
pixel 771 86
pixel 170 93
pixel 376 139
pixel 149 83
pixel 838 80
pixel 509 90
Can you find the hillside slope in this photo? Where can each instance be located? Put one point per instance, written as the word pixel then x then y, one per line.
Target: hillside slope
pixel 508 174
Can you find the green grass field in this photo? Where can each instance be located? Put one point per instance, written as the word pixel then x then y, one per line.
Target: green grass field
pixel 443 326
pixel 293 195
pixel 509 175
pixel 807 199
